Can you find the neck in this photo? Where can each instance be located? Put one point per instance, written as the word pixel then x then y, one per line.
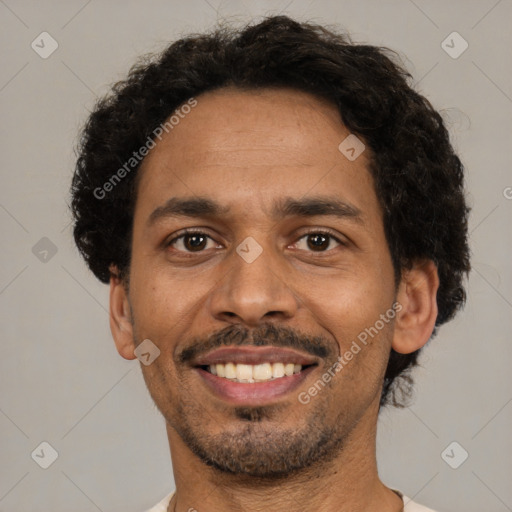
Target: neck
pixel 348 483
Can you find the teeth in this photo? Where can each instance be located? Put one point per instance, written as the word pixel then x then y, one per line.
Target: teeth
pixel 288 369
pixel 278 370
pixel 221 370
pixel 244 372
pixel 254 373
pixel 262 371
pixel 230 371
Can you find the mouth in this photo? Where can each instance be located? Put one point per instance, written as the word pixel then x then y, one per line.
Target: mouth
pixel 254 375
pixel 250 373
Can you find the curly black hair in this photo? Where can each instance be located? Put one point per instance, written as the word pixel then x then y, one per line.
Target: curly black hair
pixel 418 178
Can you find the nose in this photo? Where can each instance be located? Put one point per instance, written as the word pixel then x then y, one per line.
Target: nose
pixel 253 292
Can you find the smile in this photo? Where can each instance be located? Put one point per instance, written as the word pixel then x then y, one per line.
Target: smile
pixel 248 373
pixel 252 376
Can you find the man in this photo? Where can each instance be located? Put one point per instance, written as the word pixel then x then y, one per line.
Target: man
pixel 282 222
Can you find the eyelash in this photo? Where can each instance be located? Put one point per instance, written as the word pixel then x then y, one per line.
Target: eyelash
pixel 325 232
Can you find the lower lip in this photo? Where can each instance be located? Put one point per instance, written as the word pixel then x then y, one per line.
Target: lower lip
pixel 257 393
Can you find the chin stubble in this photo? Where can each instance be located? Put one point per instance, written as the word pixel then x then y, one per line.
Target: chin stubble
pixel 257 446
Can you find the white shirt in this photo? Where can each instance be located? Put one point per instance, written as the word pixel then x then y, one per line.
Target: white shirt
pixel 409 505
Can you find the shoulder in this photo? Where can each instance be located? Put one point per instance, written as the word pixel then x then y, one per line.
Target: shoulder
pixel 411 506
pixel 162 505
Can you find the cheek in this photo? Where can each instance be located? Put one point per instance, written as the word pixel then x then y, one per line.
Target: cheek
pixel 349 309
pixel 159 305
pixel 167 304
pixel 348 303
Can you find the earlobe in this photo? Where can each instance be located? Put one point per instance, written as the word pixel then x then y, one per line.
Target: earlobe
pixel 416 318
pixel 120 318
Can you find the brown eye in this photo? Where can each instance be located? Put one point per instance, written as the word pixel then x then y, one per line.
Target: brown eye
pixel 191 242
pixel 317 242
pixel 194 242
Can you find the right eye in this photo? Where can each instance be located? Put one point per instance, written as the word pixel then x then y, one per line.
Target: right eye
pixel 190 241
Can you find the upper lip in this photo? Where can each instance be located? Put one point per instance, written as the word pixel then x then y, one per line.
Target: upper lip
pixel 254 355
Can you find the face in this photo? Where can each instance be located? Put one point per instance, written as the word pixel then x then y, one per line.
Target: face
pixel 259 253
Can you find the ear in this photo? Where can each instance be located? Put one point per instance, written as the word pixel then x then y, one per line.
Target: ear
pixel 417 310
pixel 120 317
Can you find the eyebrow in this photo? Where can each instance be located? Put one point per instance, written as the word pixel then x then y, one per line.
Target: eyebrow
pixel 313 206
pixel 306 207
pixel 187 207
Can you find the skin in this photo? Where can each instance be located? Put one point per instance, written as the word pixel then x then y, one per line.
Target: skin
pixel 246 150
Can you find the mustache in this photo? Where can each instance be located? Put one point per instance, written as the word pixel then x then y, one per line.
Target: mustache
pixel 265 335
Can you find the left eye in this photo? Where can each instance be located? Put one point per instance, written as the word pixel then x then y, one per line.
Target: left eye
pixel 318 242
pixel 191 242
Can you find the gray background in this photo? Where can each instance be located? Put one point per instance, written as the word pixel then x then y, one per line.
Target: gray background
pixel 61 378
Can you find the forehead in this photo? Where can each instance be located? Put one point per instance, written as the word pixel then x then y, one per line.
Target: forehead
pixel 251 145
